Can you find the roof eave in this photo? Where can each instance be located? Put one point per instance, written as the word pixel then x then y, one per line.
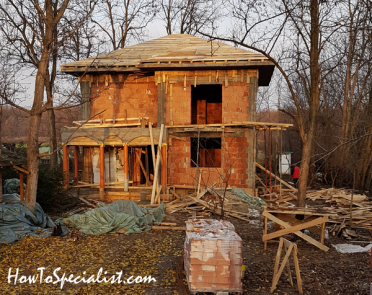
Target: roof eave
pixel 265 68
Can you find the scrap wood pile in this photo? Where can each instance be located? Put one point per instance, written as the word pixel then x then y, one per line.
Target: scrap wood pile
pixel 210 200
pixel 346 206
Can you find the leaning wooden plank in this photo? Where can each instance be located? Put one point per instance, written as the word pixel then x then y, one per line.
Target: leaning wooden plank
pixel 145 206
pixel 175 194
pixel 298 233
pixel 142 168
pixel 169 227
pixel 156 172
pixel 295 228
pixel 86 202
pixel 276 177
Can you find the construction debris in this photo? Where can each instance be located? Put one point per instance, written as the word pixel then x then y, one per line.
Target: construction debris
pixel 347 208
pixel 232 202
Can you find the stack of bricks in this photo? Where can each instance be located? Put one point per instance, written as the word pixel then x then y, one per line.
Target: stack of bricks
pixel 213 257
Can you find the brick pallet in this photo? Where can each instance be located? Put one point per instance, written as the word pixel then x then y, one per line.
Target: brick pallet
pixel 213 257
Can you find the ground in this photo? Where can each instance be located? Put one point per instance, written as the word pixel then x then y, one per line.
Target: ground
pixel 157 253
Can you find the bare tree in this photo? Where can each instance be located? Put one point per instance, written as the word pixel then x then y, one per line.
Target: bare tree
pixel 28 28
pixel 189 17
pixel 126 20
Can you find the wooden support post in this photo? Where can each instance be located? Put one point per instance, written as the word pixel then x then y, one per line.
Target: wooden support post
pixel 156 172
pixel 322 233
pixel 265 231
pixel 65 165
pixel 76 164
pixel 152 145
pixel 21 189
pixel 164 167
pixel 101 172
pixel 126 170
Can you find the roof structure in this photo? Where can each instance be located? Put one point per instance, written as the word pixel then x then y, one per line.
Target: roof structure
pixel 175 52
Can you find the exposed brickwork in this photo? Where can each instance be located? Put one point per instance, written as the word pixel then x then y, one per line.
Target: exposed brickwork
pixel 235 164
pixel 178 105
pixel 235 103
pixel 138 97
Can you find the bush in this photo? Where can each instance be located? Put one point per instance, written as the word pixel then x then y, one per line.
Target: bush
pixel 51 195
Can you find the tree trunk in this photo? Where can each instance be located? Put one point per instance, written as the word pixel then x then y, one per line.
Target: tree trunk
pixel 1 142
pixel 313 102
pixel 52 137
pixel 33 134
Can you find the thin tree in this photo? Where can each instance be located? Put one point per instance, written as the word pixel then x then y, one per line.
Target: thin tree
pixel 27 28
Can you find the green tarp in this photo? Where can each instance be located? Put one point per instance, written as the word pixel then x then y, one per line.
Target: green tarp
pixel 255 202
pixel 18 219
pixel 122 215
pixel 12 186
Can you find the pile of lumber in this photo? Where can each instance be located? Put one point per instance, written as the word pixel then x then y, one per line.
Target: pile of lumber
pixel 347 206
pixel 208 200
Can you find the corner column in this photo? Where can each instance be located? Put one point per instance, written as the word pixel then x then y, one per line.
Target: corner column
pixel 250 134
pixel 161 97
pixel 102 172
pixel 164 167
pixel 65 165
pixel 126 172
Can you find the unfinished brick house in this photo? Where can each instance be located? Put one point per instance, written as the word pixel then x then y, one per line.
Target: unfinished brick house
pixel 203 92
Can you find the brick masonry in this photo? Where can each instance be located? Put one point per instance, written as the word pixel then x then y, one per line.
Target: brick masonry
pixel 138 97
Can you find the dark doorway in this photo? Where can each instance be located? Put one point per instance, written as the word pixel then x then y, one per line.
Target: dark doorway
pixel 206 104
pixel 206 152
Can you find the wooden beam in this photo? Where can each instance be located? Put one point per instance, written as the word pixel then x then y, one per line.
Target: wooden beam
pixel 298 233
pixel 152 145
pixel 76 164
pixel 143 168
pixel 164 167
pixel 126 169
pixel 169 227
pixel 156 172
pixel 21 169
pixel 276 177
pixel 295 228
pixel 102 172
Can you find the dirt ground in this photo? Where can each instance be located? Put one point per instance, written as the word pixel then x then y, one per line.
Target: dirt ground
pixel 156 253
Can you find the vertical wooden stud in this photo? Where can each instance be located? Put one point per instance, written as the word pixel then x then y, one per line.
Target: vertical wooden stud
pixel 76 164
pixel 164 167
pixel 126 164
pixel 265 231
pixel 102 172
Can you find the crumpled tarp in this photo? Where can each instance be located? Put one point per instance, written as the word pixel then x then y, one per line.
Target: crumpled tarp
pixel 255 202
pixel 347 248
pixel 11 186
pixel 122 215
pixel 18 219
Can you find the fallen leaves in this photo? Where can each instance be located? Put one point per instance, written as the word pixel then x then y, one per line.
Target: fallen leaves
pixel 146 254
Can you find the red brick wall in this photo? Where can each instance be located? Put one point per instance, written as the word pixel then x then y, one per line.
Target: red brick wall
pixel 138 97
pixel 178 105
pixel 235 103
pixel 235 163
